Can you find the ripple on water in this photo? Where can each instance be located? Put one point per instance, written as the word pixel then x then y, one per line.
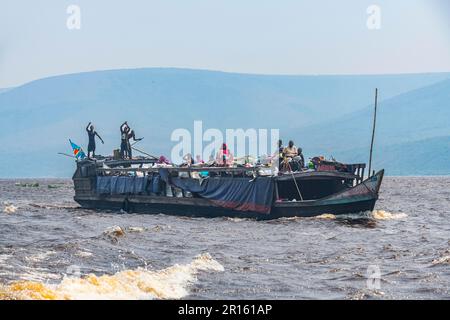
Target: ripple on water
pixel 285 258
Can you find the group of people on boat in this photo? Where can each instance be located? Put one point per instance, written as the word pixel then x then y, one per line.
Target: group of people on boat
pixel 126 134
pixel 224 157
pixel 290 158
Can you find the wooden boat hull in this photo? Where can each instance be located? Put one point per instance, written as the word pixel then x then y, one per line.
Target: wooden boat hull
pixel 360 198
pixel 213 212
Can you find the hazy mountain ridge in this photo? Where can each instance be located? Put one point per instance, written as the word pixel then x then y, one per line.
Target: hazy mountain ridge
pixel 417 115
pixel 423 157
pixel 3 90
pixel 38 118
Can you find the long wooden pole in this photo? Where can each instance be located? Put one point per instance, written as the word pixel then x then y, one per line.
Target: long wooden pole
pixel 373 131
pixel 65 154
pixel 145 153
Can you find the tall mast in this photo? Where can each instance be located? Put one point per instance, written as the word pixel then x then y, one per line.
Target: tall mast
pixel 373 130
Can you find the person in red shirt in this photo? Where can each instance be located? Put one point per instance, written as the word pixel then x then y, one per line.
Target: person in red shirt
pixel 224 156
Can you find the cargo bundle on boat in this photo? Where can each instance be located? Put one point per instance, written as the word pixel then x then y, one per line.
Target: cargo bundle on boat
pixel 145 186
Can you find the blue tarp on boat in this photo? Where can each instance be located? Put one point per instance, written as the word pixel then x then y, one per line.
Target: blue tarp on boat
pixel 242 194
pixel 121 185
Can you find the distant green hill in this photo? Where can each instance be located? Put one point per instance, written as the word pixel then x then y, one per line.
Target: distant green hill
pixel 38 118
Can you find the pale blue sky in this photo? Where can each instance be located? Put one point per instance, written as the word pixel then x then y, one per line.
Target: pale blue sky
pixel 250 36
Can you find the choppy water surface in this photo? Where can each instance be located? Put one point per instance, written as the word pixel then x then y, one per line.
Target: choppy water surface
pixel 51 249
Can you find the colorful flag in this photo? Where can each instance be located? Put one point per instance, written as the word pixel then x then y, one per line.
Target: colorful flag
pixel 77 151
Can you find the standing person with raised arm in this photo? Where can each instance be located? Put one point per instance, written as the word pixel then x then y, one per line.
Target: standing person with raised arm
pixel 91 134
pixel 124 130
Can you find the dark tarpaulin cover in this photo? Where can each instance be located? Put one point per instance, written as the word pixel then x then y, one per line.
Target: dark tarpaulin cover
pixel 242 194
pixel 155 185
pixel 121 184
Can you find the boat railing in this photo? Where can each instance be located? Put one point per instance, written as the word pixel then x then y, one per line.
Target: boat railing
pixel 358 170
pixel 231 171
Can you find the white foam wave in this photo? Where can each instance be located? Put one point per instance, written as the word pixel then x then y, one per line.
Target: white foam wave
pixel 327 216
pixel 136 229
pixel 385 215
pixel 10 208
pixel 84 254
pixel 169 283
pixel 115 231
pixel 41 256
pixel 441 260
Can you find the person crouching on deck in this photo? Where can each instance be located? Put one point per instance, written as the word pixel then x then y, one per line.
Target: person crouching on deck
pixel 91 134
pixel 224 156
